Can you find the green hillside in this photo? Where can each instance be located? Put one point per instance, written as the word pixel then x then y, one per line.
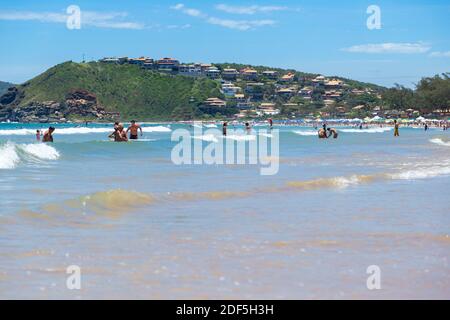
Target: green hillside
pixel 128 89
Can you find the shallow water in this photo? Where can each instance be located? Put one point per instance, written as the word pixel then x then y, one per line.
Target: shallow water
pixel 141 227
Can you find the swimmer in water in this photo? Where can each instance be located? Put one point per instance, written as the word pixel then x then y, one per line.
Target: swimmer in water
pixel 119 134
pixel 248 128
pixel 270 123
pixel 333 132
pixel 322 134
pixel 224 128
pixel 48 135
pixel 134 130
pixel 38 135
pixel 396 126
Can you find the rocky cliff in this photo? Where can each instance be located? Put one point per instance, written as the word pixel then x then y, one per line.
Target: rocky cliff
pixel 78 103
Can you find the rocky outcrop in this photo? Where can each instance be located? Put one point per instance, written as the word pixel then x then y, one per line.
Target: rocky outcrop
pixel 78 104
pixel 9 96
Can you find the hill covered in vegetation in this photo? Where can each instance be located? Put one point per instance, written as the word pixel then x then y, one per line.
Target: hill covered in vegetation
pixel 125 89
pixel 101 91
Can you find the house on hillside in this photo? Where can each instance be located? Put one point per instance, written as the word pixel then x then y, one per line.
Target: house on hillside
pixel 229 74
pixel 306 92
pixel 110 60
pixel 270 74
pixel 168 65
pixel 333 84
pixel 230 90
pixel 267 109
pixel 249 74
pixel 286 92
pixel 212 73
pixel 318 81
pixel 214 102
pixel 189 70
pixel 287 78
pixel 139 61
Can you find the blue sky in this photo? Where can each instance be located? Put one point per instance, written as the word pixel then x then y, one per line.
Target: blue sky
pixel 314 36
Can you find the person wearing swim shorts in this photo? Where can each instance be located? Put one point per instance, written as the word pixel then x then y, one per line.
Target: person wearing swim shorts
pixel 134 130
pixel 224 128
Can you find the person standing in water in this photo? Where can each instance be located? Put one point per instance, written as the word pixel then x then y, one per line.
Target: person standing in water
pixel 119 134
pixel 396 126
pixel 426 127
pixel 48 135
pixel 248 128
pixel 224 128
pixel 134 130
pixel 38 135
pixel 270 123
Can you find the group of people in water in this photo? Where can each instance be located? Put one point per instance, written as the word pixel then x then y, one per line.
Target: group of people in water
pixel 121 135
pixel 47 136
pixel 325 133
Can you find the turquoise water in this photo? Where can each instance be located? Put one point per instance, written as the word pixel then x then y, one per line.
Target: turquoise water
pixel 140 226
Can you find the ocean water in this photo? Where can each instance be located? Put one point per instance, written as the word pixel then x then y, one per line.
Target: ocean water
pixel 141 227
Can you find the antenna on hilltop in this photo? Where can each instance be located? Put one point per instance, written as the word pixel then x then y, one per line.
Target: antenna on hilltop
pixel 84 58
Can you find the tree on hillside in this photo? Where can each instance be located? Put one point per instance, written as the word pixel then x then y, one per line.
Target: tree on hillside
pixel 434 92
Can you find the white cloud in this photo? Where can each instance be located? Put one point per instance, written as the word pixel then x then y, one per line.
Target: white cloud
pixel 111 20
pixel 248 9
pixel 241 25
pixel 405 48
pixel 439 54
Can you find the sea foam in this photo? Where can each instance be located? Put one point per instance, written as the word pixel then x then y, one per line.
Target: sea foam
pixel 12 154
pixel 76 130
pixel 370 130
pixel 440 142
pixel 305 132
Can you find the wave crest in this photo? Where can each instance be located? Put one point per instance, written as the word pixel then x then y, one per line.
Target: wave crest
pixel 11 154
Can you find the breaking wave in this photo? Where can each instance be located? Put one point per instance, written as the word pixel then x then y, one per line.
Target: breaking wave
pixel 241 138
pixel 440 142
pixel 305 132
pixel 76 130
pixel 11 154
pixel 206 137
pixel 370 130
pixel 344 182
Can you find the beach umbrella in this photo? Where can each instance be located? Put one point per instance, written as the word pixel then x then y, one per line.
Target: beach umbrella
pixel 367 119
pixel 377 118
pixel 420 119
